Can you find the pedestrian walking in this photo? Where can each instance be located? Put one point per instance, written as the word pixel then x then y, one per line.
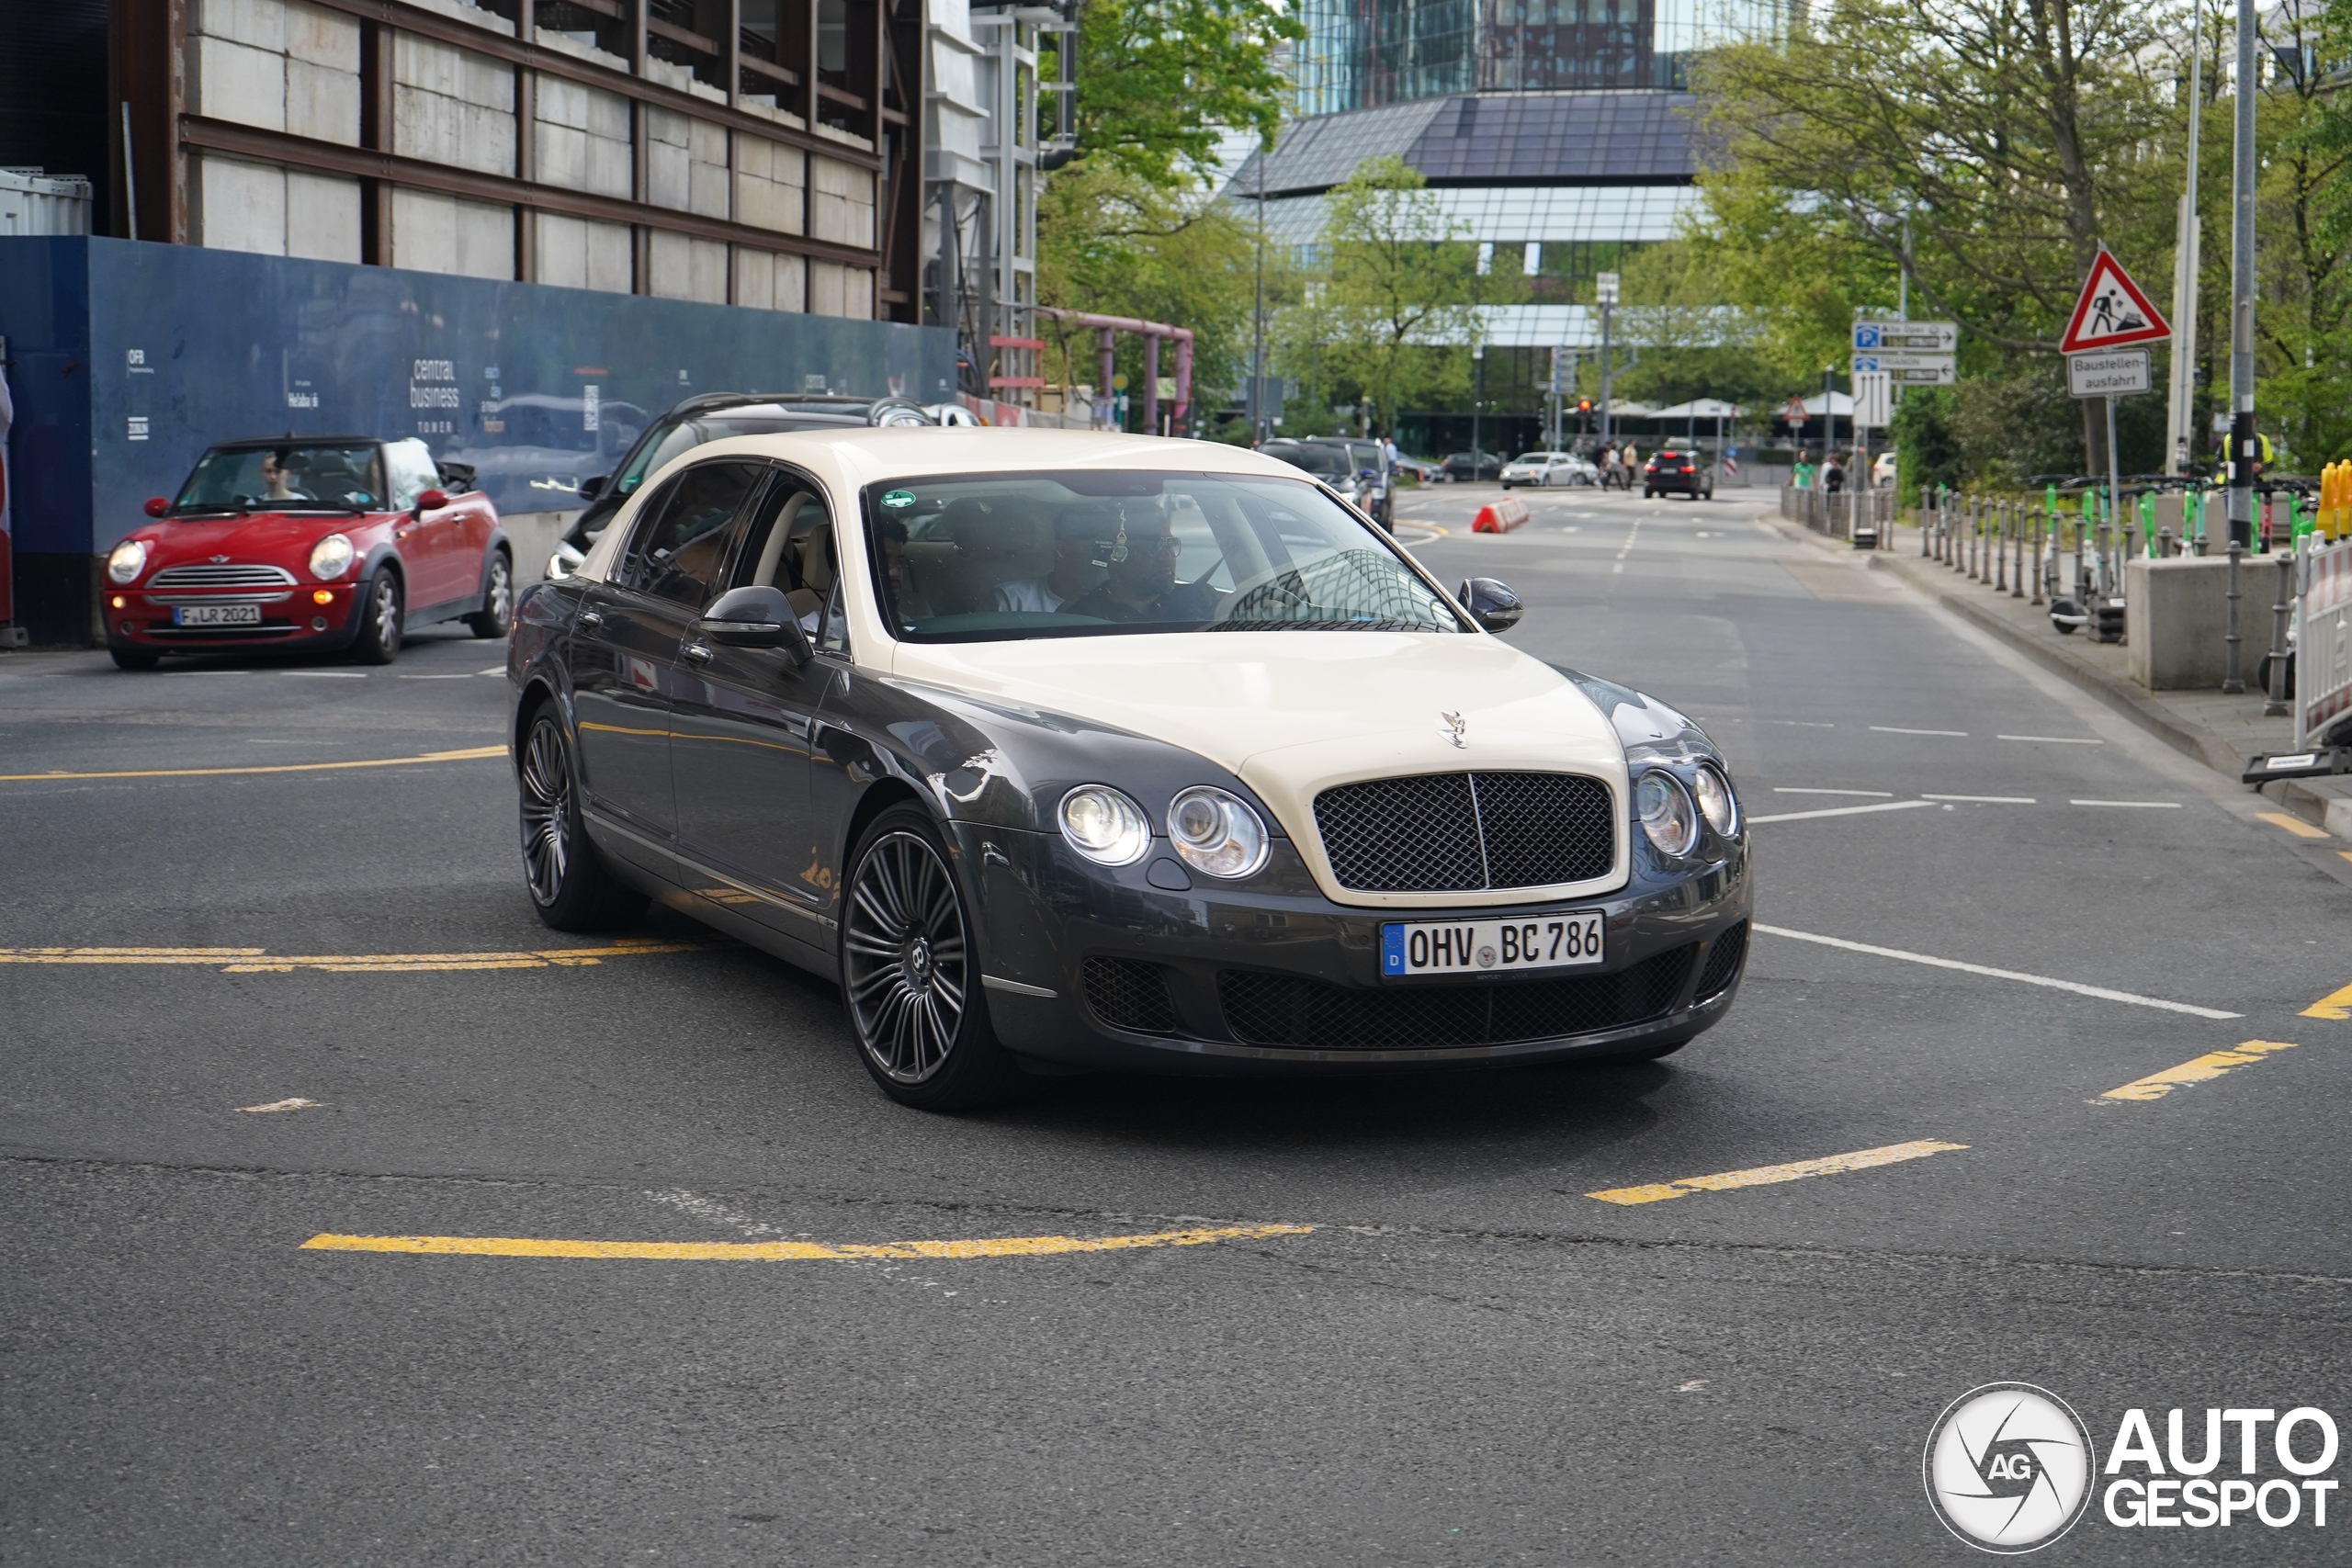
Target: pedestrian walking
pixel 1833 478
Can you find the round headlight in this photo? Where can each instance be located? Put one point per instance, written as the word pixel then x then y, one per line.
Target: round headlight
pixel 1716 800
pixel 1667 816
pixel 1105 826
pixel 1216 833
pixel 330 558
pixel 128 560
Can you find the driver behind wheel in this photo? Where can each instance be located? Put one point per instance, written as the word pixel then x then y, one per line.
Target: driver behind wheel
pixel 1140 577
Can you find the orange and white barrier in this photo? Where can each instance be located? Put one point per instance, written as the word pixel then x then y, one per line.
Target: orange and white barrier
pixel 1499 516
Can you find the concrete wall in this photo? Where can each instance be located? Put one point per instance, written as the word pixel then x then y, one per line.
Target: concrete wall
pixel 280 65
pixel 2176 617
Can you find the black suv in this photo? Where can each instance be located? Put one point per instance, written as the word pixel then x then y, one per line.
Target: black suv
pixel 715 416
pixel 1679 470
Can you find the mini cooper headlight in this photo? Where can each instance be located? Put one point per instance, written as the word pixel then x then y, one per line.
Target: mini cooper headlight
pixel 1216 833
pixel 128 560
pixel 1716 800
pixel 1105 826
pixel 1667 816
pixel 330 558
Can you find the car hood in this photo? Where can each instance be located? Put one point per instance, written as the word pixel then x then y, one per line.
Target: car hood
pixel 281 538
pixel 1291 714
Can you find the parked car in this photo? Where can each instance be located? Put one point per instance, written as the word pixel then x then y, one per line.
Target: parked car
pixel 1425 470
pixel 319 543
pixel 1883 469
pixel 1342 465
pixel 1551 469
pixel 715 416
pixel 1030 738
pixel 1679 470
pixel 1463 466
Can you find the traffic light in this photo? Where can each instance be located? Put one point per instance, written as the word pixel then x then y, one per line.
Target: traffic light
pixel 1583 405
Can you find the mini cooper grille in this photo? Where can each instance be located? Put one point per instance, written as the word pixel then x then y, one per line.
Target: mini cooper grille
pixel 1281 1010
pixel 229 576
pixel 1467 832
pixel 1722 961
pixel 1127 993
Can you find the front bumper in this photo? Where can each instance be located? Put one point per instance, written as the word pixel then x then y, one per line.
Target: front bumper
pixel 292 617
pixel 1096 968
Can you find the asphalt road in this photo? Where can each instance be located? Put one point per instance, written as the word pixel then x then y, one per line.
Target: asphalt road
pixel 1392 1323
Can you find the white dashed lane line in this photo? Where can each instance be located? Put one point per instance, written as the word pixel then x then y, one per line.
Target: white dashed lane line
pixel 1873 794
pixel 2054 739
pixel 1984 799
pixel 1889 729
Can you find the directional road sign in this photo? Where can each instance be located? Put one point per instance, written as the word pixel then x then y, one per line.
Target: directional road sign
pixel 1910 369
pixel 2108 373
pixel 1872 397
pixel 1915 337
pixel 2112 313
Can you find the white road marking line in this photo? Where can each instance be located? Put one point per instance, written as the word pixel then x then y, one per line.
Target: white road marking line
pixel 2101 992
pixel 1875 793
pixel 2054 739
pixel 436 677
pixel 2141 805
pixel 1889 729
pixel 493 670
pixel 1843 811
pixel 297 1103
pixel 328 674
pixel 1617 570
pixel 1985 799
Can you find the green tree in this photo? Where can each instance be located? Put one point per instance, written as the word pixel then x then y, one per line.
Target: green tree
pixel 1389 308
pixel 1159 80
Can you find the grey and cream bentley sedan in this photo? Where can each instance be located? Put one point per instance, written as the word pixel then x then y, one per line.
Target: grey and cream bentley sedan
pixel 1074 750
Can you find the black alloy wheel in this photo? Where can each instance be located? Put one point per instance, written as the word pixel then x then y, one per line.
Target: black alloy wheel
pixel 497 616
pixel 569 886
pixel 381 619
pixel 911 978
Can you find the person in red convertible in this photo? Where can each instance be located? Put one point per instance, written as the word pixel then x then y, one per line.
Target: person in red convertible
pixel 324 542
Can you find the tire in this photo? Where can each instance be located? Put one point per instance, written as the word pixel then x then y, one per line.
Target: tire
pixel 381 615
pixel 131 658
pixel 497 616
pixel 569 883
pixel 911 978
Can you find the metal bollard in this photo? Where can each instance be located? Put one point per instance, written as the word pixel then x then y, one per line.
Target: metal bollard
pixel 2276 704
pixel 2163 544
pixel 2233 661
pixel 2001 550
pixel 2016 579
pixel 2038 567
pixel 1976 536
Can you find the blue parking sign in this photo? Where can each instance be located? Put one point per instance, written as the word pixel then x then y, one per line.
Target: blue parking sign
pixel 1865 334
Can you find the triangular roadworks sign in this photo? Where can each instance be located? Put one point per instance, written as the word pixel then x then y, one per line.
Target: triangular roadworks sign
pixel 2112 313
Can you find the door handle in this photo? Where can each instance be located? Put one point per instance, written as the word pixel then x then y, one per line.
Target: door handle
pixel 697 652
pixel 590 619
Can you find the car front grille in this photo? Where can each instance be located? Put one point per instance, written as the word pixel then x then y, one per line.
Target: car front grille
pixel 1467 832
pixel 1126 993
pixel 1722 961
pixel 232 575
pixel 1285 1010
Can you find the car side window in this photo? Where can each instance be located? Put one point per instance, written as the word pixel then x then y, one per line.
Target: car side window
pixel 680 552
pixel 409 472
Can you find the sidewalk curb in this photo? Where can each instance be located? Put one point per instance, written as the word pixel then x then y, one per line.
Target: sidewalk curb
pixel 2332 812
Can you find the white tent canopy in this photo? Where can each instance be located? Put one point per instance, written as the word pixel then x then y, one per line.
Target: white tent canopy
pixel 1702 407
pixel 1840 404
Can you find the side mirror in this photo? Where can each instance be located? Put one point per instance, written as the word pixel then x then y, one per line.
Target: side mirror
pixel 431 501
pixel 590 489
pixel 756 617
pixel 157 506
pixel 1495 607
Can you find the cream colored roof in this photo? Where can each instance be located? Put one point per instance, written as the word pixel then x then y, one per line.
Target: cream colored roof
pixel 854 459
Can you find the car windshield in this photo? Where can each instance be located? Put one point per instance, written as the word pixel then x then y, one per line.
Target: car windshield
pixel 1535 458
pixel 297 476
pixel 1323 462
pixel 991 557
pixel 689 433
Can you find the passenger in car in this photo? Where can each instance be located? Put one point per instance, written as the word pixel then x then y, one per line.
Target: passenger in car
pixel 906 597
pixel 1076 571
pixel 1140 584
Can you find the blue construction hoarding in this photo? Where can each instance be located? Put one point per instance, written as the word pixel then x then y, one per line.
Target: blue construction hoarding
pixel 126 360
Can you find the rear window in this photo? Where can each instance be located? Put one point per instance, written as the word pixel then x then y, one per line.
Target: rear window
pixel 1323 462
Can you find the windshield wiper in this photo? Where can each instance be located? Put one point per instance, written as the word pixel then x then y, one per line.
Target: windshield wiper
pixel 1372 623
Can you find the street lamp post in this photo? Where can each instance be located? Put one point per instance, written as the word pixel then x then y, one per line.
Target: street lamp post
pixel 1604 294
pixel 1477 397
pixel 2242 438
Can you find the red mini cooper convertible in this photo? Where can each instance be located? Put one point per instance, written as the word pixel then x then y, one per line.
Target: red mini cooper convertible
pixel 317 543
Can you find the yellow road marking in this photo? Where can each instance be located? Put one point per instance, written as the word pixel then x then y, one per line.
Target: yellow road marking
pixel 261 961
pixel 2335 1004
pixel 789 1251
pixel 470 754
pixel 2295 825
pixel 1766 1174
pixel 2211 1064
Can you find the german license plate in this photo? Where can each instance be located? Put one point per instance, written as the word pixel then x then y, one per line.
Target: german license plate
pixel 215 615
pixel 1472 947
